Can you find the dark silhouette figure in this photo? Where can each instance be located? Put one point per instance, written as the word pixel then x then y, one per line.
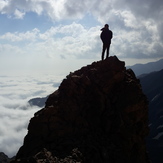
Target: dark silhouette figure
pixel 106 36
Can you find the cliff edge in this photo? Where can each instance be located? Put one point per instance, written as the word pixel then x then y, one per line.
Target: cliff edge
pixel 98 114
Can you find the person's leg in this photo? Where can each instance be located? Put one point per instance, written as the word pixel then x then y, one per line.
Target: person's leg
pixel 108 48
pixel 103 51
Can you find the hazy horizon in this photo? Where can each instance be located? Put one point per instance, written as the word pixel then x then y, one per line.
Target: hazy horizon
pixel 59 34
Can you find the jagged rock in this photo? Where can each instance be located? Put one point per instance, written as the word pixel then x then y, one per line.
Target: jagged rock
pixel 4 158
pixel 98 111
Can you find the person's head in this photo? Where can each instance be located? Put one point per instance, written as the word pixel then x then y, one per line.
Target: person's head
pixel 106 26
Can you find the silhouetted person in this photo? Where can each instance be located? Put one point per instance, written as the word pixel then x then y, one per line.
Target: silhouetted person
pixel 106 36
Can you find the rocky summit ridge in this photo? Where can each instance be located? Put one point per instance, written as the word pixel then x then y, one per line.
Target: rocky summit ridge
pixel 98 114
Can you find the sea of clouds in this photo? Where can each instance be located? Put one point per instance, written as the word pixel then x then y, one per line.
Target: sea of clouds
pixel 15 112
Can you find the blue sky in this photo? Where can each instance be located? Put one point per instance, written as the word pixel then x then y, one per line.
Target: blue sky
pixel 42 41
pixel 64 34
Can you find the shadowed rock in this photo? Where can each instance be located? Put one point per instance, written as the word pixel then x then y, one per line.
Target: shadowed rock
pixel 98 114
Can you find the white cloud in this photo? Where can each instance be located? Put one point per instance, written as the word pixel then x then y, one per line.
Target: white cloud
pixel 75 40
pixel 13 128
pixel 7 49
pixel 69 40
pixel 137 29
pixel 2 4
pixel 16 36
pixel 15 112
pixel 18 14
pixel 63 9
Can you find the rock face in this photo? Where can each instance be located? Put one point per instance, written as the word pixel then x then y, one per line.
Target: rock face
pixel 98 114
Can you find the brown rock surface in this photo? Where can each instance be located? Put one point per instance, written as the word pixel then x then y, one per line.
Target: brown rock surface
pixel 98 114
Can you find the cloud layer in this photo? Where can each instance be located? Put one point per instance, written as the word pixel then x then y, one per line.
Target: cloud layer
pixel 15 111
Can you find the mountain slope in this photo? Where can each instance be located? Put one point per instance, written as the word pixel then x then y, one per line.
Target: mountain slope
pixel 140 69
pixel 152 85
pixel 98 114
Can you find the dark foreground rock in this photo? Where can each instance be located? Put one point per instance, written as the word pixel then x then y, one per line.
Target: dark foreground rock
pixel 98 114
pixel 4 158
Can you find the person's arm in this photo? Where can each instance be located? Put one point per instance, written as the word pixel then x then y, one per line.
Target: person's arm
pixel 102 36
pixel 111 34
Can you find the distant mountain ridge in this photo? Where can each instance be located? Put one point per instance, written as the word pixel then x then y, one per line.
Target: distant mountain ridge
pixel 152 85
pixel 38 101
pixel 140 69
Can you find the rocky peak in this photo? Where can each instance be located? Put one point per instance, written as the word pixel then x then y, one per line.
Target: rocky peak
pixel 98 114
